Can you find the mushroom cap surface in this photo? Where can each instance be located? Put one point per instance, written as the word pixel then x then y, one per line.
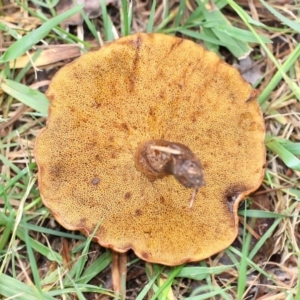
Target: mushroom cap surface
pixel 107 103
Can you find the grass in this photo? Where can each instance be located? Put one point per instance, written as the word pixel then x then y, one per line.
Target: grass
pixel 44 261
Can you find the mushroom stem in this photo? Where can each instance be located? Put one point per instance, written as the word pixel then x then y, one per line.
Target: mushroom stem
pixel 119 271
pixel 159 158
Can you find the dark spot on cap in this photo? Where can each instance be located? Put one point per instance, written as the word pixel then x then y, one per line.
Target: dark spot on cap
pixel 127 195
pixel 95 181
pixel 253 95
pixel 125 126
pixel 96 105
pixel 138 212
pixel 56 170
pixel 205 165
pixel 72 109
pixel 232 193
pixel 145 255
pixel 151 111
pixel 177 44
pixel 137 42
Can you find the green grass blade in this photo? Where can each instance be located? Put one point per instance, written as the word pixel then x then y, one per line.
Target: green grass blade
pixel 261 214
pixel 9 163
pixel 210 46
pixel 295 193
pixel 241 34
pixel 166 8
pixel 61 34
pixel 19 47
pixel 197 15
pixel 9 30
pixel 237 47
pixel 40 248
pixel 200 273
pixel 49 3
pixel 32 263
pixel 151 17
pixel 49 231
pixel 12 182
pixel 80 263
pixel 76 272
pixel 26 95
pixel 107 24
pixel 215 291
pixel 251 263
pixel 285 155
pixel 95 268
pixel 264 238
pixel 287 65
pixel 142 295
pixel 8 223
pixel 164 23
pixel 18 219
pixel 297 296
pixel 125 24
pixel 84 288
pixel 174 273
pixel 180 12
pixel 90 26
pixel 292 24
pixel 292 85
pixel 203 37
pixel 15 289
pixel 242 279
pixel 294 148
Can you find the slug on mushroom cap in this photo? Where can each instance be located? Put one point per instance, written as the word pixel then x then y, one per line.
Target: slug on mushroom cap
pixel 158 158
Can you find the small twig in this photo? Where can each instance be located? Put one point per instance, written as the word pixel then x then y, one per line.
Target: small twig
pixel 33 65
pixel 274 190
pixel 166 149
pixel 195 191
pixel 17 113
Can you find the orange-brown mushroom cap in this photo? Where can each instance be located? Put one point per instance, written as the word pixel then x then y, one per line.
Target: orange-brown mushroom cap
pixel 141 87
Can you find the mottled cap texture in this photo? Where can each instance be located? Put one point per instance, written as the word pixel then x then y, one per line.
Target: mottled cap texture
pixel 107 103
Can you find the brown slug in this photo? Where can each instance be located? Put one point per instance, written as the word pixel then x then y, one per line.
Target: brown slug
pixel 158 158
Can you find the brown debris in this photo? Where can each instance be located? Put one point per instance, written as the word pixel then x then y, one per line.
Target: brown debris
pixel 91 8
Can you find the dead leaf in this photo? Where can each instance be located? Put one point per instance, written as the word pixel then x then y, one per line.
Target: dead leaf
pixel 250 70
pixel 47 57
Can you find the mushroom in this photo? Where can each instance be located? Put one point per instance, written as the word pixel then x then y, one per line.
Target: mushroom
pixel 122 119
